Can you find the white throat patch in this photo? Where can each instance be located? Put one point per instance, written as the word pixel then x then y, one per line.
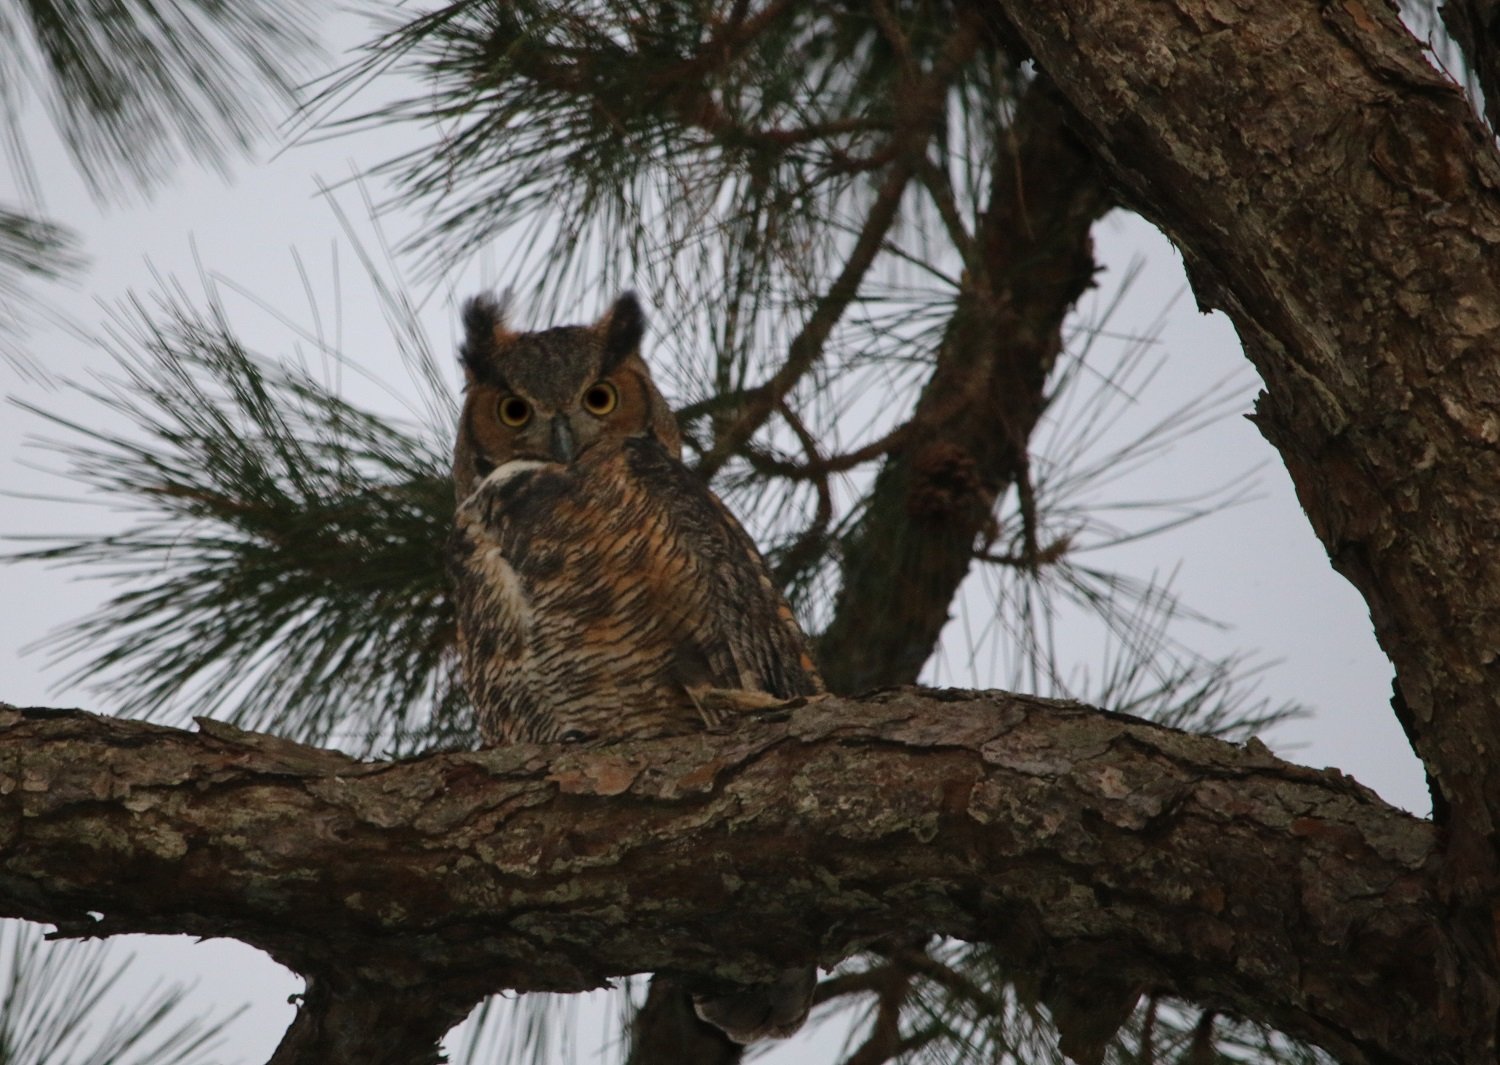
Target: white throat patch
pixel 505 472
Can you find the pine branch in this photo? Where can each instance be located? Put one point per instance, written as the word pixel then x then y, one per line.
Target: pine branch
pixel 31 249
pixel 807 347
pixel 286 559
pixel 36 247
pixel 134 86
pixel 925 106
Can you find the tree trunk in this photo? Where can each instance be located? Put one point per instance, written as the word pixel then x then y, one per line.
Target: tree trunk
pixel 1337 197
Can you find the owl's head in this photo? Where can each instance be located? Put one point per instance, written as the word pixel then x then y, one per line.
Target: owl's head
pixel 552 395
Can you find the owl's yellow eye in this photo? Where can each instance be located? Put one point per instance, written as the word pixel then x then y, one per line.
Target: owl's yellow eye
pixel 601 398
pixel 513 411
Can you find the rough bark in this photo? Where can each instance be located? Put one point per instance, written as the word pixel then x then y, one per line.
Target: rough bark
pixel 1076 840
pixel 1337 197
pixel 935 496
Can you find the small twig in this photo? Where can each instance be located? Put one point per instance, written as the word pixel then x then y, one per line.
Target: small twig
pixel 858 983
pixel 1044 556
pixel 809 544
pixel 938 182
pixel 922 106
pixel 765 462
pixel 714 404
pixel 1146 1055
pixel 807 347
pixel 951 980
pixel 1026 496
pixel 701 110
pixel 903 1045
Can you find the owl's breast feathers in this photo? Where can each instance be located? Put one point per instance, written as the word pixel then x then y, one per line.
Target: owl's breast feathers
pixel 595 598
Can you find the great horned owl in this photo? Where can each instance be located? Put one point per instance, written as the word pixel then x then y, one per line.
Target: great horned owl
pixel 603 591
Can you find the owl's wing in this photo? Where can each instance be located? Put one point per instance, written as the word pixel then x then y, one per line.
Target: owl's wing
pixel 728 624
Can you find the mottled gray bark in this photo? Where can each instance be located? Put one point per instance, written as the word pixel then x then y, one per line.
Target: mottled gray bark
pixel 1080 842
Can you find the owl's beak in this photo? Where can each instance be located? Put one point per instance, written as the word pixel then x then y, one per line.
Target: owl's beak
pixel 564 445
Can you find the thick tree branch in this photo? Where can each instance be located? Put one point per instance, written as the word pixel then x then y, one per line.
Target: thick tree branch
pixel 1077 841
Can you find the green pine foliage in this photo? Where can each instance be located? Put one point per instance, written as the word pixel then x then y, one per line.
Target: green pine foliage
pixel 285 568
pixel 132 88
pixel 32 250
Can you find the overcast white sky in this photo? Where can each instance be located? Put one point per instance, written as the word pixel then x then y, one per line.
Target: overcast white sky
pixel 1257 568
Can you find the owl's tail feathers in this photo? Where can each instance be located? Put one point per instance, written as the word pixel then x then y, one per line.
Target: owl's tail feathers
pixel 765 1011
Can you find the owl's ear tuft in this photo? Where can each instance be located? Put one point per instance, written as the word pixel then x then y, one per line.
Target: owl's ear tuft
pixel 623 328
pixel 484 331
